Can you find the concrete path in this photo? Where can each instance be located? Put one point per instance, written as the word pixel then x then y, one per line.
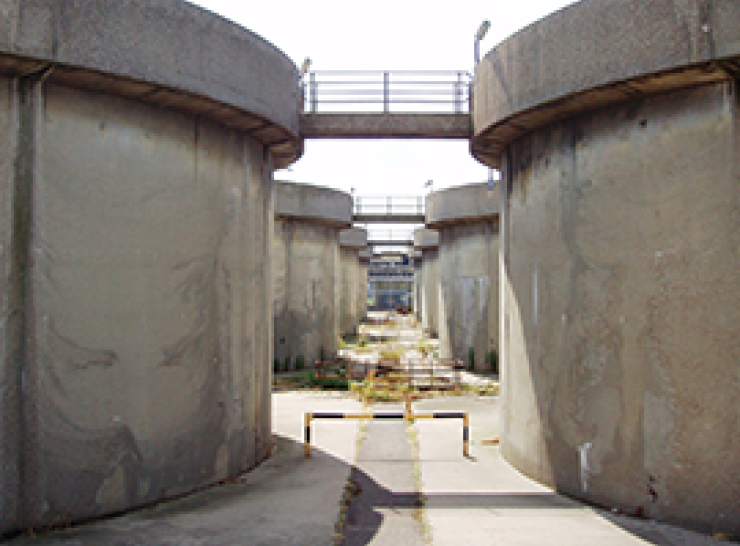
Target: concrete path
pixel 287 500
pixel 483 500
pixel 296 501
pixel 386 508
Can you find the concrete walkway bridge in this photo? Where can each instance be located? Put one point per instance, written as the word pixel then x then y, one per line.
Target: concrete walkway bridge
pixel 386 104
pixel 390 209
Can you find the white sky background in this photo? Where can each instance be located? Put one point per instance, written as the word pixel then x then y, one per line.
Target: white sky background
pixel 383 35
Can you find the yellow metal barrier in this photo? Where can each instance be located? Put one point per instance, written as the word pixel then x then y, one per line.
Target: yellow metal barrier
pixel 397 415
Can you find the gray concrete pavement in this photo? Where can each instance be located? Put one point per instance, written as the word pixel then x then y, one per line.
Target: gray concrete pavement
pixel 483 500
pixel 287 500
pixel 295 501
pixel 386 508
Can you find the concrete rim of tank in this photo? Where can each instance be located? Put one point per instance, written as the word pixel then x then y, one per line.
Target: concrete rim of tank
pixel 164 52
pixel 462 204
pixel 425 238
pixel 354 238
pixel 595 53
pixel 310 203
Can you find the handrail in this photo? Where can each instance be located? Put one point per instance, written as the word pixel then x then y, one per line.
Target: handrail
pixel 389 205
pixel 366 91
pixel 395 235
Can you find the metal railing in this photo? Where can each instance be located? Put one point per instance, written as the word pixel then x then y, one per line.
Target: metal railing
pixel 437 91
pixel 389 205
pixel 399 236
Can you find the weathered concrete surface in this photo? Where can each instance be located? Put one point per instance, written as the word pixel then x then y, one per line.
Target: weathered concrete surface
pixel 425 238
pixel 466 219
pixel 134 252
pixel 386 507
pixel 289 499
pixel 483 500
pixel 166 52
pixel 426 241
pixel 596 53
pixel 621 308
pixel 429 291
pixel 294 500
pixel 307 270
pixel 10 304
pixel 355 238
pixel 138 252
pixel 391 125
pixel 619 254
pixel 353 299
pixel 314 204
pixel 469 203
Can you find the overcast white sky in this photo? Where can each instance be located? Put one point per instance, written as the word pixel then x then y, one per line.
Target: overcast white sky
pixel 383 35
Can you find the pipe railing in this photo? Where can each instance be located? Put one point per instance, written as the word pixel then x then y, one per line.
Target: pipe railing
pixel 436 91
pixel 399 236
pixel 389 205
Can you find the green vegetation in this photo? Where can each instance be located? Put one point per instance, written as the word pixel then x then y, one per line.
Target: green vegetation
pixel 492 360
pixel 307 379
pixel 424 347
pixel 391 354
pixel 286 364
pixel 471 359
pixel 300 362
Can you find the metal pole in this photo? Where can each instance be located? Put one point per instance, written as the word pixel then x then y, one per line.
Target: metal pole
pixel 386 92
pixel 466 434
pixel 456 87
pixel 307 435
pixel 314 93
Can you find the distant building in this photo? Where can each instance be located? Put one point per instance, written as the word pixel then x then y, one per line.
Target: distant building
pixel 390 282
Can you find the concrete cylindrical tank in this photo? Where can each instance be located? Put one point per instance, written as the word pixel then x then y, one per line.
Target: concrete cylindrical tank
pixel 620 229
pixel 466 219
pixel 307 272
pixel 427 242
pixel 136 185
pixel 353 297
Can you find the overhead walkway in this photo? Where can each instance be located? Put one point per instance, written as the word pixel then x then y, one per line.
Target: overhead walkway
pixel 376 104
pixel 391 209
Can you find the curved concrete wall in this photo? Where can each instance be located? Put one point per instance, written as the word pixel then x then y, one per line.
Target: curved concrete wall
pixel 427 242
pixel 307 270
pixel 134 253
pixel 353 297
pixel 466 219
pixel 620 232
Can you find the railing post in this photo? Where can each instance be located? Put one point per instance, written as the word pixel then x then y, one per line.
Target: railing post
pixel 386 92
pixel 458 89
pixel 389 207
pixel 314 93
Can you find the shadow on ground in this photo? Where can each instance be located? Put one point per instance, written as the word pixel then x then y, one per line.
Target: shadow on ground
pixel 293 500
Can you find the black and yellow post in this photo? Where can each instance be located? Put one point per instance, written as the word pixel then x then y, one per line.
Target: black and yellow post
pixel 406 416
pixel 307 435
